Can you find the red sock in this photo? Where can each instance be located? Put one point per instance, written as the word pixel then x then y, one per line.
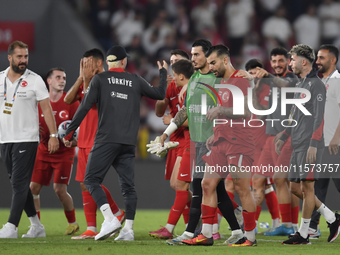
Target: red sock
pixel 71 216
pixel 113 205
pixel 178 207
pixel 258 211
pixel 249 220
pixel 208 214
pixel 232 196
pixel 38 213
pixel 216 217
pixel 295 214
pixel 285 211
pixel 90 209
pixel 273 205
pixel 186 212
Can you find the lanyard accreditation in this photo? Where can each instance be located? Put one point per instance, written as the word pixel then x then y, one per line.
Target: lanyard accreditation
pixel 8 106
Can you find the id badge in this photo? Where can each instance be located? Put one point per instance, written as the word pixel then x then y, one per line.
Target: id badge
pixel 8 108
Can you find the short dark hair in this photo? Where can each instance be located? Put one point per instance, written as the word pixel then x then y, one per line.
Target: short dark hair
pixel 253 63
pixel 220 50
pixel 332 49
pixel 50 72
pixel 96 53
pixel 184 67
pixel 16 44
pixel 304 51
pixel 205 44
pixel 180 52
pixel 279 51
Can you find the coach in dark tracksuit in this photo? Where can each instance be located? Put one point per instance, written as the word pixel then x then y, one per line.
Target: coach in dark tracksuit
pixel 308 144
pixel 117 95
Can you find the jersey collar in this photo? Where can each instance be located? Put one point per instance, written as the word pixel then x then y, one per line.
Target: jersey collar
pixel 119 70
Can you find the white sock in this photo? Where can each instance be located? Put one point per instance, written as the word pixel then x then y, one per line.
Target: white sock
pixel 128 225
pixel 186 225
pixel 276 223
pixel 250 235
pixel 118 213
pixel 189 234
pixel 215 228
pixel 107 213
pixel 94 229
pixel 287 224
pixel 207 230
pixel 328 214
pixel 11 225
pixel 35 220
pixel 236 232
pixel 170 227
pixel 304 227
pixel 295 226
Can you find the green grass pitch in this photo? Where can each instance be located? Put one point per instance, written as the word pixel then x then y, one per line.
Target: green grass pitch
pixel 146 220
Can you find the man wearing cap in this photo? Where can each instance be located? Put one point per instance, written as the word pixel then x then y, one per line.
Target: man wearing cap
pixel 117 95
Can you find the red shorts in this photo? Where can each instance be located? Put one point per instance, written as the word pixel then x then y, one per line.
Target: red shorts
pixel 171 158
pixel 286 154
pixel 43 171
pixel 218 158
pixel 257 155
pixel 83 154
pixel 269 158
pixel 185 173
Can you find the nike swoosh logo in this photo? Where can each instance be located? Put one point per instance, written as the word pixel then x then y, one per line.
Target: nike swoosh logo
pixel 195 196
pixel 22 151
pixel 183 175
pixel 198 241
pixel 63 178
pixel 85 204
pixel 232 157
pixel 172 98
pixel 175 210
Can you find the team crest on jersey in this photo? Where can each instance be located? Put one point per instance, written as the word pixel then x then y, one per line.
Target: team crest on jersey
pixel 64 115
pixel 23 84
pixel 303 95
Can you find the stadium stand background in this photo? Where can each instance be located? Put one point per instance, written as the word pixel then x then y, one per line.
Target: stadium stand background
pixel 58 32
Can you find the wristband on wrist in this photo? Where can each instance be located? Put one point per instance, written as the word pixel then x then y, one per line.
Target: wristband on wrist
pixel 170 129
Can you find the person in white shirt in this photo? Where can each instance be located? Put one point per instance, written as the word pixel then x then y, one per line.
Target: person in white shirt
pixel 20 91
pixel 326 62
pixel 278 27
pixel 307 28
pixel 328 12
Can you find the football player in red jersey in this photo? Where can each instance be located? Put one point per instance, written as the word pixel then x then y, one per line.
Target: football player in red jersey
pixel 60 163
pixel 92 63
pixel 230 145
pixel 173 163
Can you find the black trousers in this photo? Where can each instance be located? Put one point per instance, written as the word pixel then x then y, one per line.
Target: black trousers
pixel 19 159
pixel 121 157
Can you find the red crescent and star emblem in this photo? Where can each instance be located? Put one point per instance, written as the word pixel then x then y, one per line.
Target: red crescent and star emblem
pixel 23 84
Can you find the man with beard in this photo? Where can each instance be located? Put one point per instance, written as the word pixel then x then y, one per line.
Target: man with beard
pixel 308 143
pixel 20 91
pixel 200 130
pixel 326 62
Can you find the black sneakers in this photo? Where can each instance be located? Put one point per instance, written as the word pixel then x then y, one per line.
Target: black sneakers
pixel 334 228
pixel 297 239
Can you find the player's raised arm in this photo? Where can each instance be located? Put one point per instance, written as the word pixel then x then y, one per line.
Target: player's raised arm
pixel 72 94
